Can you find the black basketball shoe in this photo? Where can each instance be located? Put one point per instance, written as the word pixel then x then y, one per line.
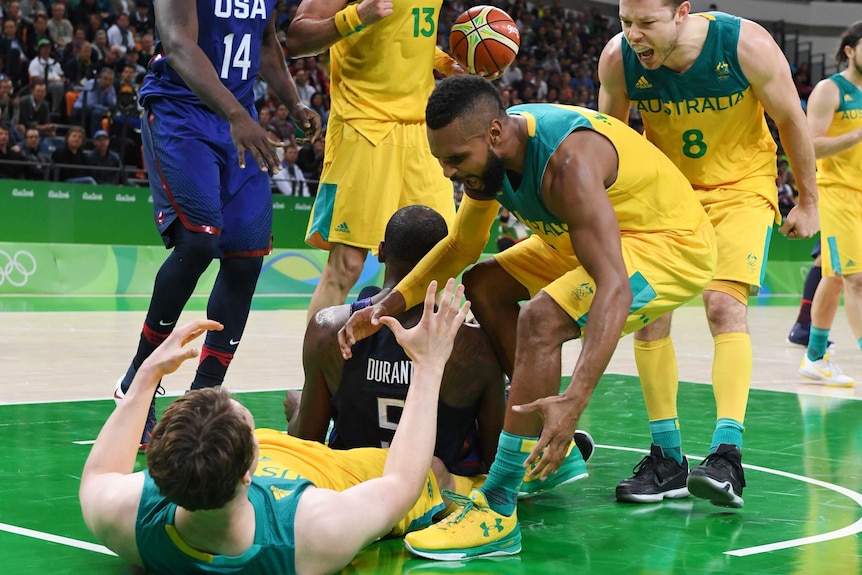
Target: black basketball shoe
pixel 656 477
pixel 720 477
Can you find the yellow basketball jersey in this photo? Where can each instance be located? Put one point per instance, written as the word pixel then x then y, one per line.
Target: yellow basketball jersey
pixel 845 168
pixel 706 119
pixel 649 195
pixel 385 72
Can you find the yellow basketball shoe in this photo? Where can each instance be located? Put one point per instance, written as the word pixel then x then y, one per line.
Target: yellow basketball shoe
pixel 472 530
pixel 573 468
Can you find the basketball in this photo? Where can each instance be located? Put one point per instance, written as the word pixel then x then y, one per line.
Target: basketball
pixel 484 40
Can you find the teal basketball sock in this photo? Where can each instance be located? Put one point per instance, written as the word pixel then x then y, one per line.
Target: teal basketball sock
pixel 817 343
pixel 666 434
pixel 726 431
pixel 507 472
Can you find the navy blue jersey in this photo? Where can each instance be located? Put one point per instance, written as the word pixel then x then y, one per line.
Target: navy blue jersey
pixel 368 403
pixel 230 33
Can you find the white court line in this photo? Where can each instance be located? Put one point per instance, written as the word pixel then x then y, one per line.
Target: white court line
pixel 769 547
pixel 57 539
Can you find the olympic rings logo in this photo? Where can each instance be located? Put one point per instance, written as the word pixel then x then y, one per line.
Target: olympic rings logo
pixel 17 268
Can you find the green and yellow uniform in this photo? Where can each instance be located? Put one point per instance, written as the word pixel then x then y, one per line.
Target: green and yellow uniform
pixel 377 158
pixel 711 125
pixel 839 181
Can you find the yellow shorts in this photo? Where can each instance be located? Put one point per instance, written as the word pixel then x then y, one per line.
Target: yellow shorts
pixel 743 220
pixel 282 455
pixel 840 240
pixel 364 183
pixel 665 271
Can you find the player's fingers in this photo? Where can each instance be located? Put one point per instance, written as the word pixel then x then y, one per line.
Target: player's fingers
pixel 429 298
pixel 394 325
pixel 240 152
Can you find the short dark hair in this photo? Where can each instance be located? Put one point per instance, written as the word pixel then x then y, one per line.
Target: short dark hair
pixel 459 97
pixel 411 233
pixel 850 38
pixel 200 450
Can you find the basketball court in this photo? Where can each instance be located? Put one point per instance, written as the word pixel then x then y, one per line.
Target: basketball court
pixel 802 451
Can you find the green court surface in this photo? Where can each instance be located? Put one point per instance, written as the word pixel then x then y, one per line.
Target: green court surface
pixel 802 509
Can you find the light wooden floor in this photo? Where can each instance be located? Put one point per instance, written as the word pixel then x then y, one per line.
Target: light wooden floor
pixel 60 356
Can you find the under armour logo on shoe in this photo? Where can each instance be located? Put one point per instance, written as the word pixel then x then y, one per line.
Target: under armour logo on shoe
pixel 487 529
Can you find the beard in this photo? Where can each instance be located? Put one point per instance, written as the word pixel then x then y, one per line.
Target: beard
pixel 492 177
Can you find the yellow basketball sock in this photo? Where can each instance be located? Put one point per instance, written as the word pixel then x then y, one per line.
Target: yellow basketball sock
pixel 731 375
pixel 656 362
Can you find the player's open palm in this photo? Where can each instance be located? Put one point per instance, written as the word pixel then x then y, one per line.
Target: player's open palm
pixel 249 136
pixel 370 11
pixel 168 357
pixel 430 341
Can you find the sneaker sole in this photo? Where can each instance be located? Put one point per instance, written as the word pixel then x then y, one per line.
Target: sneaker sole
pixel 679 493
pixel 718 493
pixel 586 445
pixel 528 494
pixel 817 378
pixel 475 553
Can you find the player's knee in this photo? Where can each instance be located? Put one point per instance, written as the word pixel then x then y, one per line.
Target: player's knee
pixel 347 263
pixel 853 282
pixel 196 248
pixel 543 322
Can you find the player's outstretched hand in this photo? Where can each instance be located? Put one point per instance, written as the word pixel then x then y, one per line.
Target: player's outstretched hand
pixel 559 424
pixel 802 222
pixel 168 357
pixel 370 11
pixel 249 136
pixel 431 340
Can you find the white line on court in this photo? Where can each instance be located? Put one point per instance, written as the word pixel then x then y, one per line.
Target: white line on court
pixel 57 539
pixel 837 534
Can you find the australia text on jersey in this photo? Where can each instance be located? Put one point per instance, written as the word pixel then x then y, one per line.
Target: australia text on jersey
pixel 691 105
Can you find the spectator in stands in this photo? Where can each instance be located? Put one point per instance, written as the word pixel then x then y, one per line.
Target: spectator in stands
pixel 30 8
pixel 81 68
pixel 786 191
pixel 122 7
pixel 35 162
pixel 282 125
pixel 101 156
pixel 47 69
pixel 120 35
pixel 10 159
pixel 96 101
pixel 33 111
pixel 40 32
pixel 320 104
pixel 72 155
pixel 132 58
pixel 147 49
pixel 142 19
pixel 60 29
pixel 303 88
pixel 96 25
pixel 290 181
pixel 9 110
pixel 13 54
pixel 24 24
pixel 128 78
pixel 80 15
pixel 113 59
pixel 317 76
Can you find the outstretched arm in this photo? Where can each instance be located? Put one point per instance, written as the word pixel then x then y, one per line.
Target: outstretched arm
pixel 110 492
pixel 331 527
pixel 575 185
pixel 448 258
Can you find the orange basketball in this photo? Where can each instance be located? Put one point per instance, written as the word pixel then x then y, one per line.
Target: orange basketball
pixel 484 40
